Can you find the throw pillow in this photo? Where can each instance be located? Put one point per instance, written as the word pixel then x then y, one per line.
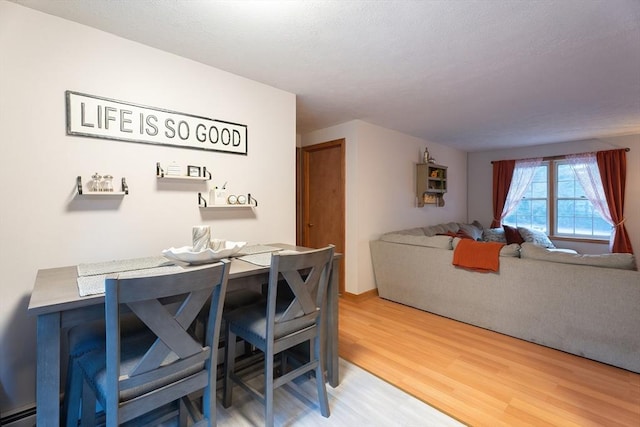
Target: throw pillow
pixel 512 234
pixel 494 235
pixel 474 230
pixel 536 237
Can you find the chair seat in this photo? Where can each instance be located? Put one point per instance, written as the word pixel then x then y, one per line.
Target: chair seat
pixel 250 322
pixel 133 348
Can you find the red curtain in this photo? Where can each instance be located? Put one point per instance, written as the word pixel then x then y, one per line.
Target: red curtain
pixel 613 172
pixel 502 175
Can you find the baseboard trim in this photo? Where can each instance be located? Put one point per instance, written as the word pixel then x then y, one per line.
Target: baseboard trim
pixel 360 297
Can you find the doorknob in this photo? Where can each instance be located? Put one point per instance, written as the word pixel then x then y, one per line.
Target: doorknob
pixel 310 225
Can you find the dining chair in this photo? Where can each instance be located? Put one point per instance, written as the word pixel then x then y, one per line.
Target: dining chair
pixel 137 373
pixel 280 324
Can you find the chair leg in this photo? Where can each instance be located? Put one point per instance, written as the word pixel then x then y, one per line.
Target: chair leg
pixel 209 397
pixel 73 394
pixel 88 405
pixel 183 418
pixel 229 367
pixel 316 352
pixel 269 365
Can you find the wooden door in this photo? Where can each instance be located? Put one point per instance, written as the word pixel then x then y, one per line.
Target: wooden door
pixel 323 198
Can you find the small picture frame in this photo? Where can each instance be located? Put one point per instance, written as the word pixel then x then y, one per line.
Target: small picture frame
pixel 193 171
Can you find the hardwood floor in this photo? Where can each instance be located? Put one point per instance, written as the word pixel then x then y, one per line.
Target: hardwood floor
pixel 480 377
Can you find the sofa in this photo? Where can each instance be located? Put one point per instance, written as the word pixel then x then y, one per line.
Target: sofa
pixel 587 305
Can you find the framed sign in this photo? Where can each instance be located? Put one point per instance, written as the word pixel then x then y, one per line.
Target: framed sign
pixel 98 117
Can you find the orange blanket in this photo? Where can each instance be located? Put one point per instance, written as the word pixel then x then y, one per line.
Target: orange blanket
pixel 478 256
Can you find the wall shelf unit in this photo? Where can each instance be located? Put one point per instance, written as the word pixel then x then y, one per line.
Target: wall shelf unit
pixel 431 184
pixel 251 203
pixel 161 174
pixel 124 189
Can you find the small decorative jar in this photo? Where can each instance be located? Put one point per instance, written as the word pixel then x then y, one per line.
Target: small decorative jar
pixel 96 184
pixel 107 183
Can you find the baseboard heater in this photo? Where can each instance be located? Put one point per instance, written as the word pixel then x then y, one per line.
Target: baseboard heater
pixel 23 418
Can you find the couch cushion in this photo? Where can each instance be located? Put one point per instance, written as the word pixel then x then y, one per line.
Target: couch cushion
pixel 537 237
pixel 510 250
pixel 620 261
pixel 440 242
pixel 432 230
pixel 418 231
pixel 461 234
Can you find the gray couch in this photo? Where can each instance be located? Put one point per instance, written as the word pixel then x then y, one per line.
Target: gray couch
pixel 541 296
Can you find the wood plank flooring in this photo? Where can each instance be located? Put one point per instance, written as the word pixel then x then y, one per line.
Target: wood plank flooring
pixel 480 377
pixel 361 400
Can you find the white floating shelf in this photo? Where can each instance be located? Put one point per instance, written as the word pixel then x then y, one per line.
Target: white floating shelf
pixel 251 203
pixel 183 178
pixel 103 193
pixel 161 174
pixel 81 192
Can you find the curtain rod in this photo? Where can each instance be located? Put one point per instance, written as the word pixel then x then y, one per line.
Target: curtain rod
pixel 627 149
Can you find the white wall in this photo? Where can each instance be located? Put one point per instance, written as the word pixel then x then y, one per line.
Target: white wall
pixel 42 225
pixel 381 185
pixel 480 181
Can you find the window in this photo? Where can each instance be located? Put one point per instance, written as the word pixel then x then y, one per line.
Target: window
pixel 533 212
pixel 556 204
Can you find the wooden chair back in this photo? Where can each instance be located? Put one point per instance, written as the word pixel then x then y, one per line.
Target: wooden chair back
pixel 176 363
pixel 306 276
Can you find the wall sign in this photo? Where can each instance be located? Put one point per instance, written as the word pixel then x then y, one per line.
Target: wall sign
pixel 97 117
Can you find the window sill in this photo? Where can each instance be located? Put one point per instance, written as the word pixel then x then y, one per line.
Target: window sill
pixel 580 240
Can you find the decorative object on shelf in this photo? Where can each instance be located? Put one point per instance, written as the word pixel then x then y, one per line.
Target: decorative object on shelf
pixel 174 170
pixel 99 186
pixel 107 183
pixel 431 184
pixel 232 199
pixel 218 196
pixel 426 157
pixel 223 249
pixel 242 199
pixel 193 171
pixel 96 178
pixel 249 201
pixel 201 235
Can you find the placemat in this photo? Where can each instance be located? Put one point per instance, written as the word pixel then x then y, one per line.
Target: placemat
pixel 264 259
pixel 116 266
pixel 94 284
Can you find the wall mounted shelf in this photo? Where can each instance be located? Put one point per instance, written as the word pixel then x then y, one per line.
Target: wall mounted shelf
pixel 251 203
pixel 431 184
pixel 161 174
pixel 81 192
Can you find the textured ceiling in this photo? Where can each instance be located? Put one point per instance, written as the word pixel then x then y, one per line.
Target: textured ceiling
pixel 475 75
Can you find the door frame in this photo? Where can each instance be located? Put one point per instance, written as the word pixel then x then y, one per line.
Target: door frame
pixel 302 196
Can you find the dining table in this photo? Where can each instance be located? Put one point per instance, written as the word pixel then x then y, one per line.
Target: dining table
pixel 57 303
